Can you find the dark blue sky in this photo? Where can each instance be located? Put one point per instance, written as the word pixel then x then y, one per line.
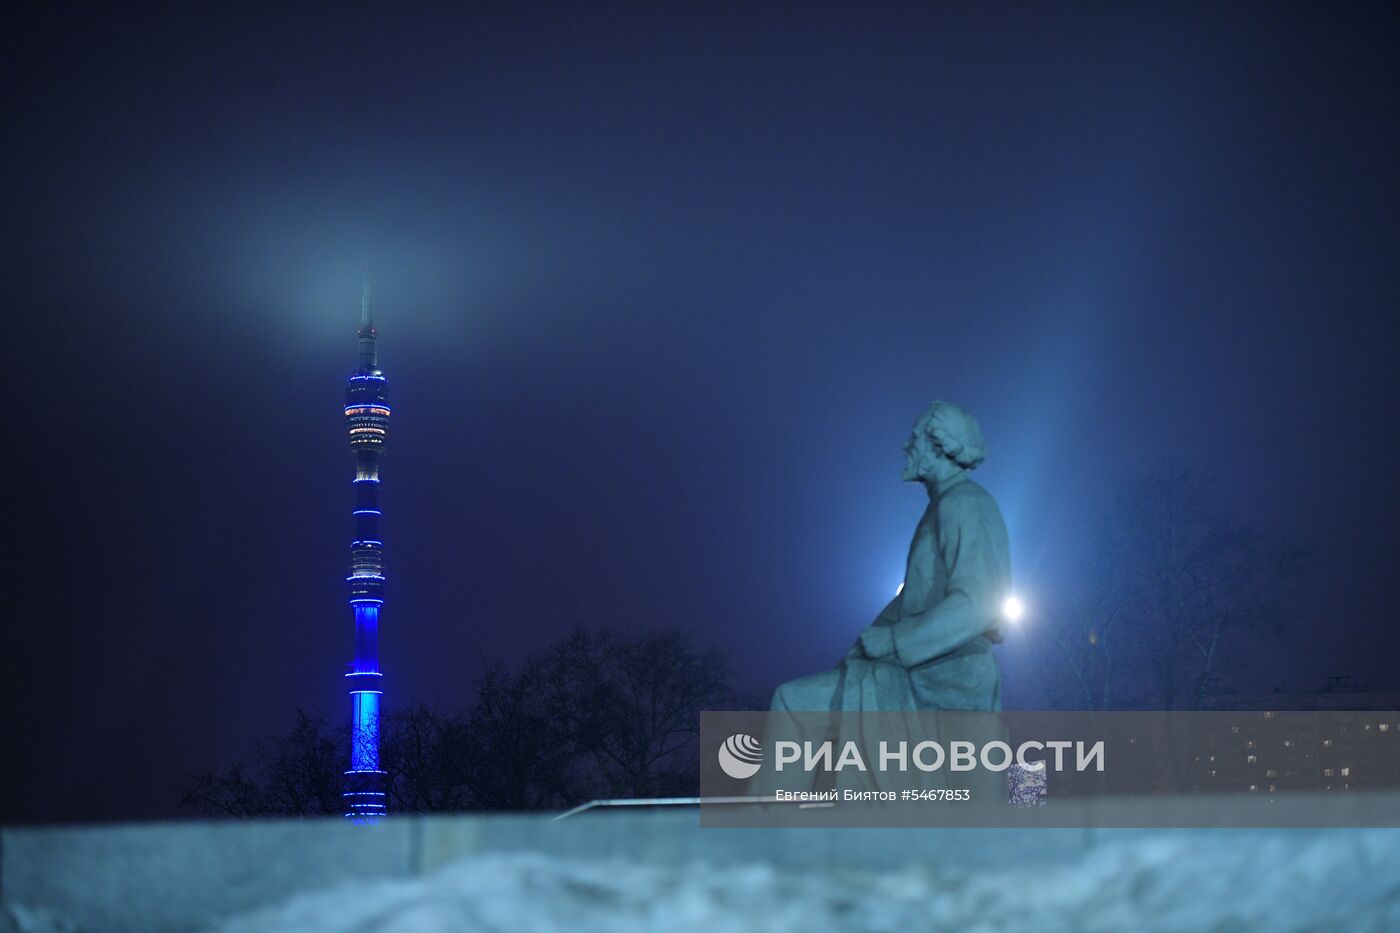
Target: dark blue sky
pixel 660 293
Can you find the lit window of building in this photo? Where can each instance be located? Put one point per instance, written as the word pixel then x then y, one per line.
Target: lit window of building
pixel 1327 772
pixel 1251 759
pixel 1346 772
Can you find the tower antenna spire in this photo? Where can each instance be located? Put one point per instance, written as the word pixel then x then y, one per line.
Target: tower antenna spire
pixel 369 355
pixel 365 320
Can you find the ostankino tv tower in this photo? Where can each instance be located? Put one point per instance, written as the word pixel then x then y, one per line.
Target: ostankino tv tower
pixel 367 420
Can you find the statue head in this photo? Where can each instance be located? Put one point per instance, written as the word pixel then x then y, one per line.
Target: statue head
pixel 945 440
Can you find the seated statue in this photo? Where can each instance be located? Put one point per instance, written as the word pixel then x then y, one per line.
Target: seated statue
pixel 931 647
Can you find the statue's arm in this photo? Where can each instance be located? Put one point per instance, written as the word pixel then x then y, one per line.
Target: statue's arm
pixel 973 544
pixel 887 617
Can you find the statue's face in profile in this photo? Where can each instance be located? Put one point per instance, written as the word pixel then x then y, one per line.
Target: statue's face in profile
pixel 921 455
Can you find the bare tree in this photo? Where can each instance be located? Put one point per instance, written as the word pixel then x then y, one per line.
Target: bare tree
pixel 1089 645
pixel 515 754
pixel 594 715
pixel 1204 579
pixel 423 753
pixel 631 707
pixel 296 775
pixel 1172 582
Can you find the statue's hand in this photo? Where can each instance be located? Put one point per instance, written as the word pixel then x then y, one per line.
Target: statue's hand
pixel 878 642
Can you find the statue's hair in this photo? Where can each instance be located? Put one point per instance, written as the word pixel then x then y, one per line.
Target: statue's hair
pixel 956 433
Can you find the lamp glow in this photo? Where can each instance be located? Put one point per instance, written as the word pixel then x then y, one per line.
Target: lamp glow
pixel 1012 609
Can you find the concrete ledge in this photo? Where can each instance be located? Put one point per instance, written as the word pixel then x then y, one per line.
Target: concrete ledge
pixel 675 837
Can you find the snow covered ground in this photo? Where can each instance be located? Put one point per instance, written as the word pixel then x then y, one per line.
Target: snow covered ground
pixel 1184 881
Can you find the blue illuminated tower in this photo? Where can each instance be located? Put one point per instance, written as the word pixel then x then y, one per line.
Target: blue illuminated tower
pixel 367 420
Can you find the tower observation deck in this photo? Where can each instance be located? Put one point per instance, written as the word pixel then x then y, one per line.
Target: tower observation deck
pixel 367 421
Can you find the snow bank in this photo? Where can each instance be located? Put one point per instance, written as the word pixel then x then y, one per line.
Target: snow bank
pixel 1276 881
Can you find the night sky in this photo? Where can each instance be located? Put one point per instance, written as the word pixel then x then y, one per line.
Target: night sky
pixel 660 293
